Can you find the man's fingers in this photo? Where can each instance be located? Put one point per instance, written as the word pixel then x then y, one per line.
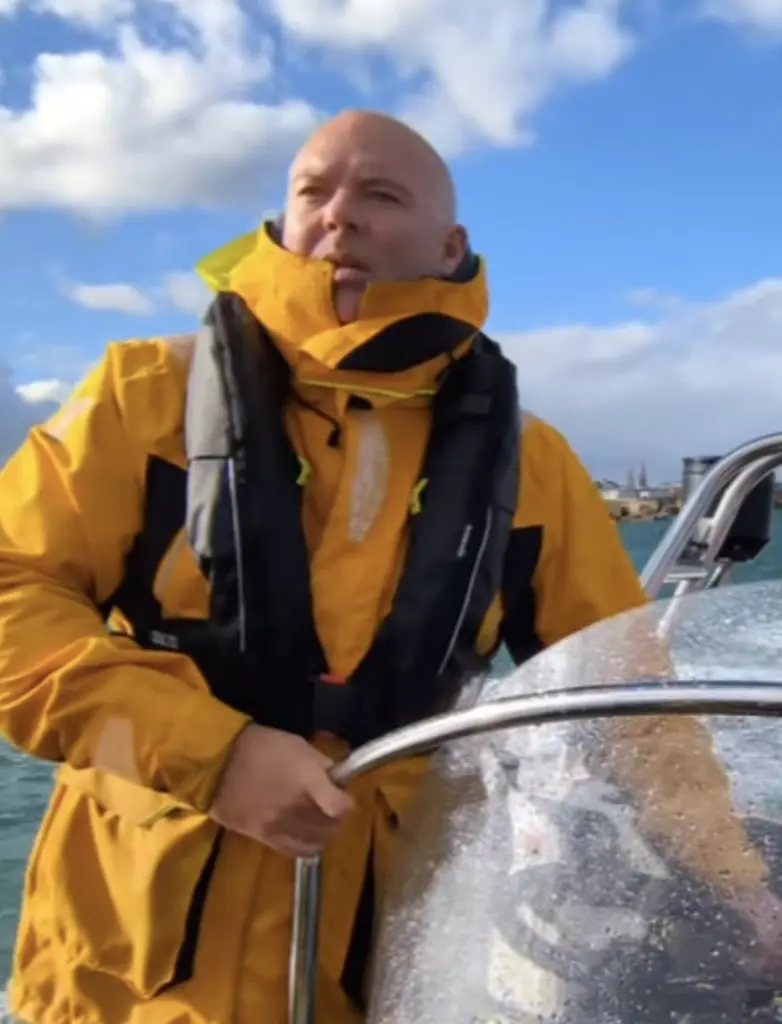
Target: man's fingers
pixel 325 761
pixel 312 828
pixel 329 798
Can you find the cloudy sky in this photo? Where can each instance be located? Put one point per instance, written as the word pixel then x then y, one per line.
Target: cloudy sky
pixel 618 163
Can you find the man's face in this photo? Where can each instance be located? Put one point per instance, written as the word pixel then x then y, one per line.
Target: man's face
pixel 366 195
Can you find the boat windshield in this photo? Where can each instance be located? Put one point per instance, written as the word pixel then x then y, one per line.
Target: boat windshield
pixel 609 870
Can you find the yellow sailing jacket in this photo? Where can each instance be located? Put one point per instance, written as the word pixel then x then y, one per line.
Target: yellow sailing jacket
pixel 125 845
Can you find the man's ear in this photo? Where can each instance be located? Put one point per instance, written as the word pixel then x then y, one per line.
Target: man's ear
pixel 455 249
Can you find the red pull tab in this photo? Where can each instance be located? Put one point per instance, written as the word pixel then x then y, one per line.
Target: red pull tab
pixel 326 677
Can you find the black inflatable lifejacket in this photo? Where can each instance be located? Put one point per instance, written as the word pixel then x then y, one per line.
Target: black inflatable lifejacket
pixel 241 503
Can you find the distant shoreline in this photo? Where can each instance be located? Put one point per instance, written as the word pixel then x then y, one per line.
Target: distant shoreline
pixel 638 510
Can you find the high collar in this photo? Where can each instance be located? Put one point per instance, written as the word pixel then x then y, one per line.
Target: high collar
pixel 405 334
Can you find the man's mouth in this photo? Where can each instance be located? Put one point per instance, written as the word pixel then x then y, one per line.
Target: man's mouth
pixel 348 270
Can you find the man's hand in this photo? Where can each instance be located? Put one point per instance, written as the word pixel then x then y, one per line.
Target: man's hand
pixel 276 789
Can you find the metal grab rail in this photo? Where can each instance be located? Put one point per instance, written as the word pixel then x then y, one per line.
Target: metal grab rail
pixel 744 467
pixel 661 696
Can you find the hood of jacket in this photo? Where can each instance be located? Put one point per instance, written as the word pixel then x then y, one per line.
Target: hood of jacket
pixel 403 339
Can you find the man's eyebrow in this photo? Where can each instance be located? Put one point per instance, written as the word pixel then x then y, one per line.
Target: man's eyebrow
pixel 369 180
pixel 378 181
pixel 307 174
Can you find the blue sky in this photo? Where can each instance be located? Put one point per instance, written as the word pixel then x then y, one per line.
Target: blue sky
pixel 617 163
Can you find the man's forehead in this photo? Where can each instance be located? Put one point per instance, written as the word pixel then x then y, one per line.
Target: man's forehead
pixel 373 151
pixel 359 165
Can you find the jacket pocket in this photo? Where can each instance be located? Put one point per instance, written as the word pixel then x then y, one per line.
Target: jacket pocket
pixel 121 875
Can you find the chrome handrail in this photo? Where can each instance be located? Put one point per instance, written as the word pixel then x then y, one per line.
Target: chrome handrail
pixel 661 696
pixel 711 571
pixel 741 467
pixel 733 498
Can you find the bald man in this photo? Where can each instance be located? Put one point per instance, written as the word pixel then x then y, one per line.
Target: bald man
pixel 233 556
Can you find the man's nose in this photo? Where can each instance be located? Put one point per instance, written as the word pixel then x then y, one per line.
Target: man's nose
pixel 342 213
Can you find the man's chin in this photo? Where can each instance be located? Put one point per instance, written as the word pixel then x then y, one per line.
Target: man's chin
pixel 347 302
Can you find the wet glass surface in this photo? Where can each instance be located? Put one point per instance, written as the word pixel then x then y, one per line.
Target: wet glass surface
pixel 611 871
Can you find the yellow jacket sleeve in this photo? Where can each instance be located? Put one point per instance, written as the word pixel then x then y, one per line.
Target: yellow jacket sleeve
pixel 583 576
pixel 71 503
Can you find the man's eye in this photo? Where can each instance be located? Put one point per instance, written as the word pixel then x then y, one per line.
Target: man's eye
pixel 384 197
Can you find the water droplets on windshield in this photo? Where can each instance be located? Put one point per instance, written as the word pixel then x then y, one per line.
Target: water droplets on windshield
pixel 586 872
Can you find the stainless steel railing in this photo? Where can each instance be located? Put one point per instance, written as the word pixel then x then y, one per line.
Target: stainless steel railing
pixel 733 477
pixel 668 697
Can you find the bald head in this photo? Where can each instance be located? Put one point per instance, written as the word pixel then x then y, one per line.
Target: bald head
pixel 370 194
pixel 374 137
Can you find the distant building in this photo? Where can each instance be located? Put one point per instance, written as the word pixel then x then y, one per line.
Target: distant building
pixel 609 490
pixel 636 499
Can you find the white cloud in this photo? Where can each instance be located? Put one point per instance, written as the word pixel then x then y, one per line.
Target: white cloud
pixel 45 391
pixel 694 379
pixel 194 117
pixel 484 69
pixel 764 16
pixel 157 126
pixel 186 292
pixel 36 360
pixel 655 298
pixel 162 126
pixel 181 290
pixel 117 297
pixel 92 13
pixel 19 414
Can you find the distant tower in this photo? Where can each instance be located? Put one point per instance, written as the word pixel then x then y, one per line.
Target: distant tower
pixel 643 484
pixel 631 488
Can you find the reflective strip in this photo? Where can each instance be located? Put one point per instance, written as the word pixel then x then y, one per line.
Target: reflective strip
pixel 168 641
pixel 356 389
pixel 305 469
pixel 470 586
pixel 371 472
pixel 415 499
